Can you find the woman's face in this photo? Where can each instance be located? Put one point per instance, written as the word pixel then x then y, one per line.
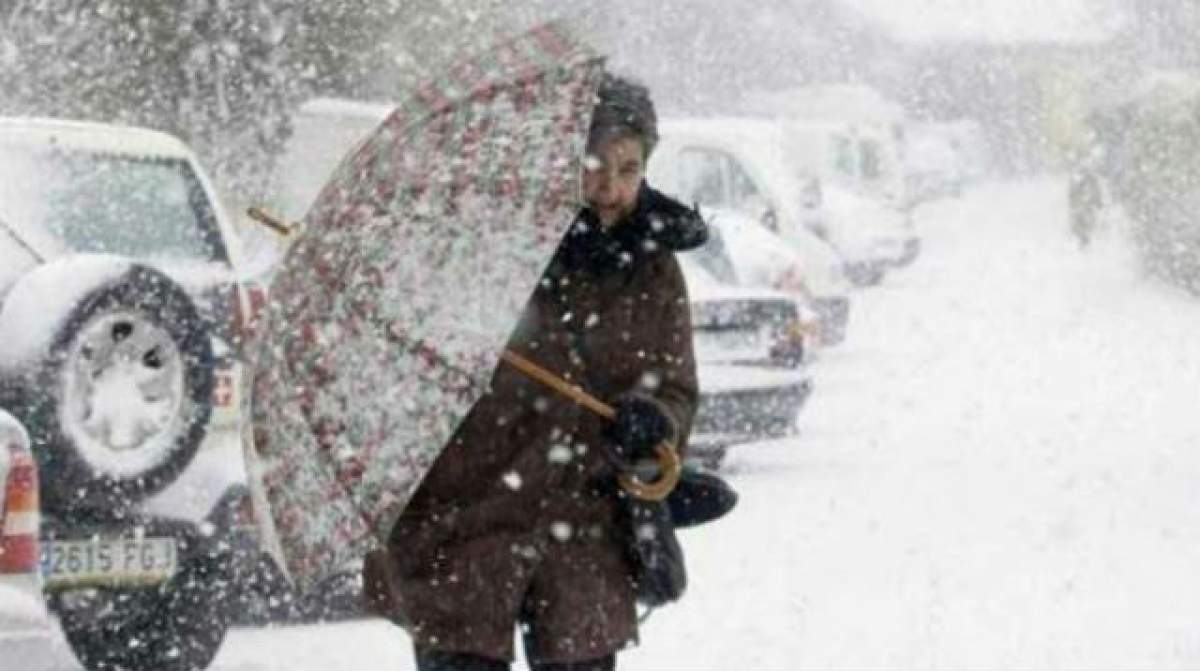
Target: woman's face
pixel 613 171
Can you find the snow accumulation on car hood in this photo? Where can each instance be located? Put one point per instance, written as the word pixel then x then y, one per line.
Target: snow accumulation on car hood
pixel 857 223
pixel 703 288
pixel 43 298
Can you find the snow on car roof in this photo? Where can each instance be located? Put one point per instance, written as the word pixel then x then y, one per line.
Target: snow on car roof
pixel 760 130
pixel 92 136
pixel 759 141
pixel 759 138
pixel 833 103
pixel 115 139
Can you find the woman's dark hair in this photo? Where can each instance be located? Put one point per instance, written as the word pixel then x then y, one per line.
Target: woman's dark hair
pixel 624 109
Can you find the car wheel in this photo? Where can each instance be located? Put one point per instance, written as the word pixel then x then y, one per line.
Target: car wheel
pixel 118 406
pixel 177 626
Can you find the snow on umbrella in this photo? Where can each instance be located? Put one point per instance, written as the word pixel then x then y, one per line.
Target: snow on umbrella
pixel 388 315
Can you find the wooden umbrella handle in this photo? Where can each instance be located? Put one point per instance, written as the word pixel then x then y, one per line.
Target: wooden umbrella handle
pixel 670 469
pixel 261 216
pixel 670 466
pixel 558 384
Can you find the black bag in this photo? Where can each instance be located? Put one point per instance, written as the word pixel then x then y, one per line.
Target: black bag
pixel 700 497
pixel 660 575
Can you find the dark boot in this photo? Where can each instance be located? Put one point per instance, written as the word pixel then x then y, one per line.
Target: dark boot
pixel 608 663
pixel 441 660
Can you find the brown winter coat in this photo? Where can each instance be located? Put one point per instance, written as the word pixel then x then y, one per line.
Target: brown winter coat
pixel 517 520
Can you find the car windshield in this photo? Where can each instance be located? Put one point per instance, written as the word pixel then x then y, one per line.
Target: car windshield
pixel 141 207
pixel 713 257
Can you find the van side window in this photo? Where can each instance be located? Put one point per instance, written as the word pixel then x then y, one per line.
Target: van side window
pixel 843 155
pixel 741 186
pixel 703 177
pixel 869 157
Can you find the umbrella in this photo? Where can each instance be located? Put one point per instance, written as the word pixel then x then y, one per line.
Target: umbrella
pixel 389 312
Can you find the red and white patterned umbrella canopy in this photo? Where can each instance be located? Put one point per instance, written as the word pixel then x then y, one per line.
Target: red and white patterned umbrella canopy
pixel 388 316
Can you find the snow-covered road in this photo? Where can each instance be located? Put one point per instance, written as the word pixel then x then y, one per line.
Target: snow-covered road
pixel 998 469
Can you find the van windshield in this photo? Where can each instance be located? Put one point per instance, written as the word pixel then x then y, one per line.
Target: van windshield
pixel 106 203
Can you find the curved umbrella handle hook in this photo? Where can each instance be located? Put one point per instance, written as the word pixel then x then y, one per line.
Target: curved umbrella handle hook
pixel 670 468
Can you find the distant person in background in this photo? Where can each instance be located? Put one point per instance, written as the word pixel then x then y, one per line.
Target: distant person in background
pixel 1083 204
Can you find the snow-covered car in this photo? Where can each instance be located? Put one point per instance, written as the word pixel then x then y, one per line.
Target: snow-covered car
pixel 750 360
pixel 943 158
pixel 932 169
pixel 873 229
pixel 738 164
pixel 120 355
pixel 742 253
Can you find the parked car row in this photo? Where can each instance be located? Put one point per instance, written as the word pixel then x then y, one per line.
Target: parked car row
pixel 741 165
pixel 120 317
pixel 776 230
pixel 124 315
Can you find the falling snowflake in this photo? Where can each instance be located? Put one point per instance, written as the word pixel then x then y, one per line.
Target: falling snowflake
pixel 559 454
pixel 561 531
pixel 512 480
pixel 650 380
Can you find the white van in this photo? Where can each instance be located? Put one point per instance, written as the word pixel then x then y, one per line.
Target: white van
pixel 864 158
pixel 735 164
pixel 849 135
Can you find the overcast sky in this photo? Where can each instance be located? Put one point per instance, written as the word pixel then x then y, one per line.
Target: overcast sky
pixel 994 20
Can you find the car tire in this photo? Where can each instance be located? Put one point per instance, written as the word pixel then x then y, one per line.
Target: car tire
pixel 177 626
pixel 138 337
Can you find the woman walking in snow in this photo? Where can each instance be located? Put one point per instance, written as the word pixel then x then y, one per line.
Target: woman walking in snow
pixel 518 522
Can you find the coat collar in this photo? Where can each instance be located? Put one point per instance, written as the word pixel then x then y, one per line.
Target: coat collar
pixel 659 224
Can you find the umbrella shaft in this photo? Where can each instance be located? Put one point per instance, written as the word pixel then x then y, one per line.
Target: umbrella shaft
pixel 558 384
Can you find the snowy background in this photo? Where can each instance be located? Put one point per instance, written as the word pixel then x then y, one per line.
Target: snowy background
pixel 998 468
pixel 998 471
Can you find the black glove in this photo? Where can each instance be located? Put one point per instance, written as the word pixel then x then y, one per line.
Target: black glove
pixel 639 426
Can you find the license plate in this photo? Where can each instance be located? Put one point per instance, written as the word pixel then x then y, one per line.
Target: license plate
pixel 108 561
